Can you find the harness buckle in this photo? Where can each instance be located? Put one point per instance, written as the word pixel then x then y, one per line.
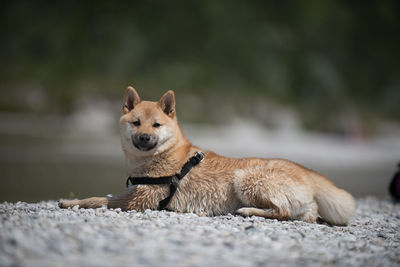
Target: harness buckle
pixel 201 155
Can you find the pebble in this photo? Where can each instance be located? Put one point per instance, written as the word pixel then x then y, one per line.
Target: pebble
pixel 37 234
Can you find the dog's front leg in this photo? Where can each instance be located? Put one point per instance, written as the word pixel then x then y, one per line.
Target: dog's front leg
pixel 87 203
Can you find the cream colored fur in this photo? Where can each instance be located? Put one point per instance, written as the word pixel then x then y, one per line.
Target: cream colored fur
pixel 272 188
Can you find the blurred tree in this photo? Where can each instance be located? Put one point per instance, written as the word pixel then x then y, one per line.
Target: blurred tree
pixel 323 58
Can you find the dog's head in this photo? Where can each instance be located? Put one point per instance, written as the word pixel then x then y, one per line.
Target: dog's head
pixel 146 127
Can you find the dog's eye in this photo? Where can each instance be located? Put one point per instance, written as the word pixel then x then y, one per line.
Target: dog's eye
pixel 156 125
pixel 136 123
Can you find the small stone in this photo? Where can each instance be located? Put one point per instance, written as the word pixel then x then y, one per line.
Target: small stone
pixel 117 210
pixel 382 235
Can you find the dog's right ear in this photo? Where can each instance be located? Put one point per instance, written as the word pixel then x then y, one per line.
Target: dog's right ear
pixel 131 99
pixel 167 103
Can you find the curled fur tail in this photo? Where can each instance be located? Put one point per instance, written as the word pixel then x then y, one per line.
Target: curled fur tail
pixel 335 205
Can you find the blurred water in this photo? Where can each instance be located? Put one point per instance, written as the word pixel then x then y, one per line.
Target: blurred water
pixel 55 157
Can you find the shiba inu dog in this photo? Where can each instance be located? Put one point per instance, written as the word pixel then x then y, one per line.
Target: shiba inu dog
pixel 202 182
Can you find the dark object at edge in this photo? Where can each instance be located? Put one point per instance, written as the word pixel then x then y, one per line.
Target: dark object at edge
pixel 394 187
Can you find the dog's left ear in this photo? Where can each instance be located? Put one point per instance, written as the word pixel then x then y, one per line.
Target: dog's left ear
pixel 131 99
pixel 167 103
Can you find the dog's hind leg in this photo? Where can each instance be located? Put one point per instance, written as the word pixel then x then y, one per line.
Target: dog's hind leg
pixel 266 213
pixel 259 194
pixel 272 192
pixel 308 214
pixel 87 203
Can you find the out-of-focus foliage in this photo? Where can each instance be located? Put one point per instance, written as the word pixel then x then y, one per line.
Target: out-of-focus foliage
pixel 325 58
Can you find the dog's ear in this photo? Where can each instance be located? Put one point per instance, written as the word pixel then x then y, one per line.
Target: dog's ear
pixel 131 99
pixel 167 103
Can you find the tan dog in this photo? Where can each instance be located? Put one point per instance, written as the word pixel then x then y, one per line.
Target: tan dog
pixel 154 146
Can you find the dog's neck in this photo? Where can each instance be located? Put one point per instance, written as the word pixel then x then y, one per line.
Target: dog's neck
pixel 166 163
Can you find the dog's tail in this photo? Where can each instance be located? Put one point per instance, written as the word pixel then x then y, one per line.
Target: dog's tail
pixel 335 205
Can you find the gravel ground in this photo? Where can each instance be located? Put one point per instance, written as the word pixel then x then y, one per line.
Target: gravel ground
pixel 41 234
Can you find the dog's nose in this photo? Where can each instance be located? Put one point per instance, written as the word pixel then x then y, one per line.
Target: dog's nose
pixel 144 138
pixel 144 142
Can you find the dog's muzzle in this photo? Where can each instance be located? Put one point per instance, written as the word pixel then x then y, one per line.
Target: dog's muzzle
pixel 144 142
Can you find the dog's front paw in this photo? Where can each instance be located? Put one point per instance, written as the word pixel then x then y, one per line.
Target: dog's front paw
pixel 65 204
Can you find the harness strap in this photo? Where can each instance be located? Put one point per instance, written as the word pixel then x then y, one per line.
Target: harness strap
pixel 147 180
pixel 173 183
pixel 172 189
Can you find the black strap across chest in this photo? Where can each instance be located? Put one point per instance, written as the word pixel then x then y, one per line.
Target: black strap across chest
pixel 172 180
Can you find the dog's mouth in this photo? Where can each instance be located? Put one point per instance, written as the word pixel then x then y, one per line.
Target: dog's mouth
pixel 143 145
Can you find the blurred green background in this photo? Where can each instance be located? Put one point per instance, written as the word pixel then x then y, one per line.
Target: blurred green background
pixel 334 64
pixel 317 56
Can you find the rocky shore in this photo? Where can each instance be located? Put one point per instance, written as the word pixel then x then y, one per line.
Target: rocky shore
pixel 41 234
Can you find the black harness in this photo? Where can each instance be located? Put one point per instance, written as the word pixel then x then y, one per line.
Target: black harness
pixel 172 180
